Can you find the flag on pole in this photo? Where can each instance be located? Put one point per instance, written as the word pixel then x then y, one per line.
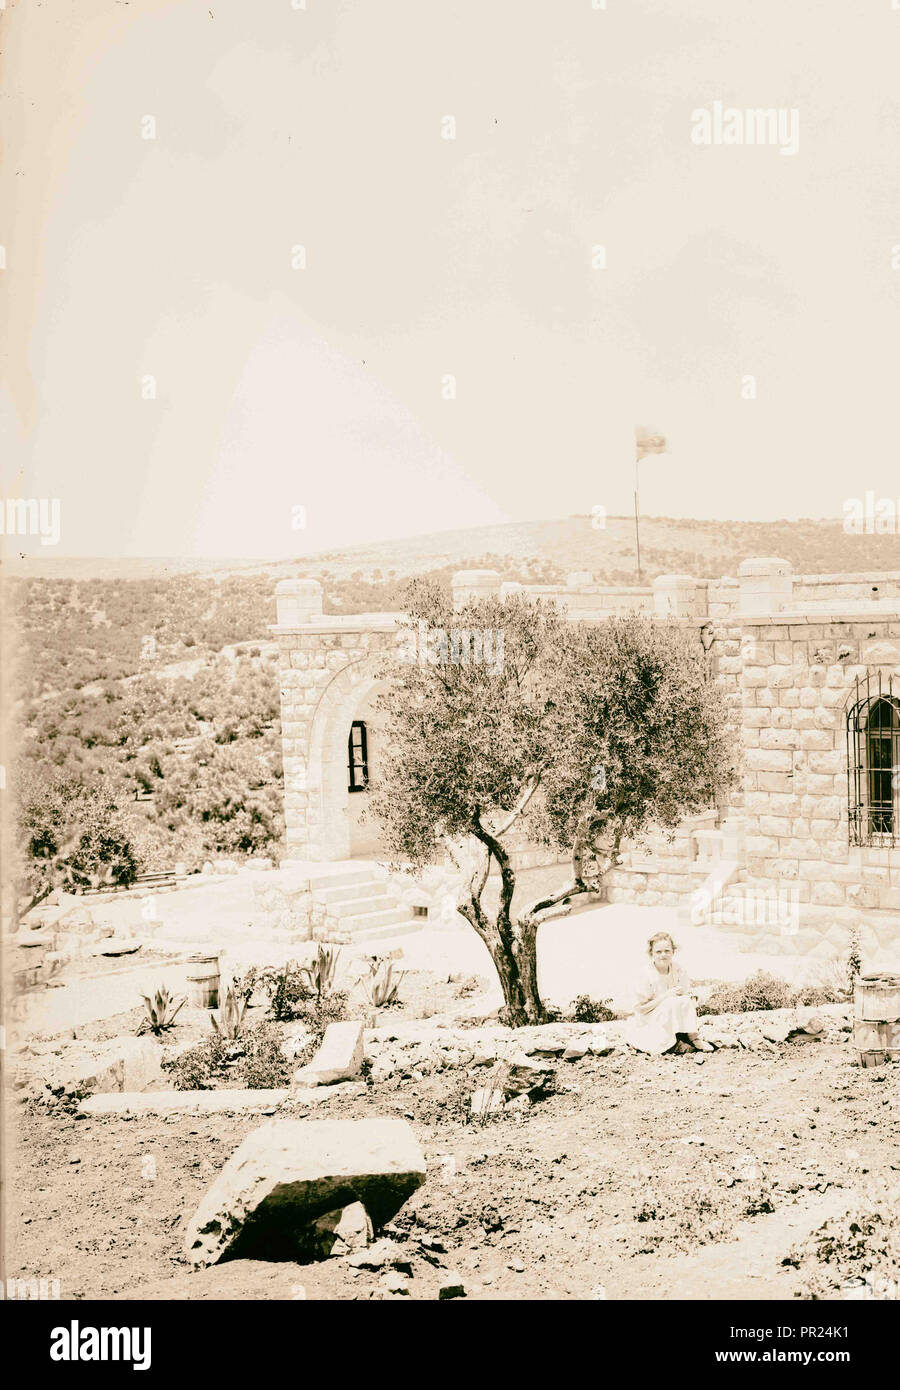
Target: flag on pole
pixel 648 441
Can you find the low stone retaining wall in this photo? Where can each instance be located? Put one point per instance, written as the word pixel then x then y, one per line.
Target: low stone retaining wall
pixel 416 1047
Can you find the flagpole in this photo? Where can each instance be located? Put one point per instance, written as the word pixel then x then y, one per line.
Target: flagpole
pixel 637 534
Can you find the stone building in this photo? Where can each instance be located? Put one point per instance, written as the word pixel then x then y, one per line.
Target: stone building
pixel 805 851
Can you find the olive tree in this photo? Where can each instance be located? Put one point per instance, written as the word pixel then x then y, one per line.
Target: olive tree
pixel 69 836
pixel 503 713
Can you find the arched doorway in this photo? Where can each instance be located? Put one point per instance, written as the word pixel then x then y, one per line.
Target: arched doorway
pixel 364 749
pixel 345 750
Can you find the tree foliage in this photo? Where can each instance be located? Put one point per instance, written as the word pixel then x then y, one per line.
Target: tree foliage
pixel 71 837
pixel 583 734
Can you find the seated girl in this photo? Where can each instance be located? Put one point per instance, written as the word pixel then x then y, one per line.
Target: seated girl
pixel 665 1015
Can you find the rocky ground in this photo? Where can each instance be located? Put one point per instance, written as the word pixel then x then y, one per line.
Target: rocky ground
pixel 638 1177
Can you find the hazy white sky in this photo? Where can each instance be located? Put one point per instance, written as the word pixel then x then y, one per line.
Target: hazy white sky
pixel 279 388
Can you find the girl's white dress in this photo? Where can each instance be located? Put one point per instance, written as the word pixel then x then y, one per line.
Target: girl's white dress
pixel 656 1030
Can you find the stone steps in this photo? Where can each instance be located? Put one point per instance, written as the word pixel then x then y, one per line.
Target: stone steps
pixel 348 892
pixel 342 879
pixel 361 908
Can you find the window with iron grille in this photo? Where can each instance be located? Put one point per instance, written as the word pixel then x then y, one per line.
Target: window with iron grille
pixel 873 763
pixel 358 757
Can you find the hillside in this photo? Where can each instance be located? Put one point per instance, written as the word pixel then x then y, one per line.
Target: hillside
pixel 701 548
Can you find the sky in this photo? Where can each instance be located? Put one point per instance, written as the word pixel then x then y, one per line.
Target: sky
pixel 297 316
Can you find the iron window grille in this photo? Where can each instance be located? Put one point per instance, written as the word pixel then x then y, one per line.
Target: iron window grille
pixel 873 763
pixel 358 757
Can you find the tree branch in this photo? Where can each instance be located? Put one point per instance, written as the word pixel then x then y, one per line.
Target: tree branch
pixel 591 823
pixel 523 802
pixel 574 890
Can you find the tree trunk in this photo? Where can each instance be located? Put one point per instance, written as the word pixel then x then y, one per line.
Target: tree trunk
pixel 526 961
pixel 517 971
pixel 513 949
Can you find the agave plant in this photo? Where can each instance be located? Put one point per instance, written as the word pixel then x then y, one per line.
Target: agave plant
pixel 382 985
pixel 160 1011
pixel 319 974
pixel 231 1016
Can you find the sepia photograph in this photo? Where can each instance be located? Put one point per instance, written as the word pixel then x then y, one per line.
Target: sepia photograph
pixel 450 634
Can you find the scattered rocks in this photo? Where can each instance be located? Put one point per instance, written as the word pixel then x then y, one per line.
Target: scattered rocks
pixel 525 1077
pixel 384 1253
pixel 721 1039
pixel 392 1281
pixel 343 1231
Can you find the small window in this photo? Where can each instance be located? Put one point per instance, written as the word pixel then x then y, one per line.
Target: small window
pixel 358 757
pixel 873 729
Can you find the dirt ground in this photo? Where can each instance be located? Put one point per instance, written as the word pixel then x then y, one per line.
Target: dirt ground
pixel 643 1178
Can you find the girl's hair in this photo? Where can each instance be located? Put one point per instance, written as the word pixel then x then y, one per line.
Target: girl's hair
pixel 660 936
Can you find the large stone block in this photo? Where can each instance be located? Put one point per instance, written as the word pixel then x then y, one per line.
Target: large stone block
pixel 340 1057
pixel 288 1173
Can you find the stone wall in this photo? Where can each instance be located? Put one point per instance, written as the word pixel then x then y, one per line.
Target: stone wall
pixel 797 680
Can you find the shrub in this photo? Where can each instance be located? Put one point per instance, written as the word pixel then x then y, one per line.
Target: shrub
pixel 318 1013
pixel 819 994
pixel 265 1066
pixel 287 987
pixel 588 1010
pixel 854 956
pixel 197 1069
pixel 864 1241
pixel 245 985
pixel 760 991
pixel 764 991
